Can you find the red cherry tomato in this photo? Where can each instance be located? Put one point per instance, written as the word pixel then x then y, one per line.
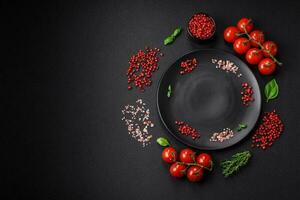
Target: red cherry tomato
pixel 271 47
pixel 230 34
pixel 204 159
pixel 254 55
pixel 267 66
pixel 195 174
pixel 241 45
pixel 257 36
pixel 245 22
pixel 169 155
pixel 177 170
pixel 187 156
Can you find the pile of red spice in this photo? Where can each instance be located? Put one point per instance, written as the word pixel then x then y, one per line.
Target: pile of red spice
pixel 187 130
pixel 202 26
pixel 269 131
pixel 246 93
pixel 188 65
pixel 141 67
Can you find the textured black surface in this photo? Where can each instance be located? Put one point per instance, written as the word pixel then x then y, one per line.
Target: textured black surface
pixel 63 86
pixel 208 99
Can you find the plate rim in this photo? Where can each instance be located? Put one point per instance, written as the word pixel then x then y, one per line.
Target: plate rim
pixel 181 140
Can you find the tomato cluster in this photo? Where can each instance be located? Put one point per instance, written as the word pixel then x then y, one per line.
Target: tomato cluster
pixel 252 43
pixel 190 165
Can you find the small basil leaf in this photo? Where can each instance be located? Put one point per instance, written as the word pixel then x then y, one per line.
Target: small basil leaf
pixel 176 32
pixel 243 125
pixel 169 40
pixel 271 90
pixel 162 142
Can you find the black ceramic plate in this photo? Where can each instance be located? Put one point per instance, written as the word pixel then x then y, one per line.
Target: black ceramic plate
pixel 208 99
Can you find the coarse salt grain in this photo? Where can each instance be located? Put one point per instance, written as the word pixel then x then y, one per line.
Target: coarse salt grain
pixel 136 118
pixel 226 134
pixel 226 65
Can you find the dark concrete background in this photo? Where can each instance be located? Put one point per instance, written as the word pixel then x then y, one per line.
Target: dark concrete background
pixel 63 84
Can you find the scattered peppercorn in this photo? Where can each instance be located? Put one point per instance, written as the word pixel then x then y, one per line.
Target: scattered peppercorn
pixel 141 67
pixel 188 65
pixel 269 131
pixel 187 130
pixel 246 93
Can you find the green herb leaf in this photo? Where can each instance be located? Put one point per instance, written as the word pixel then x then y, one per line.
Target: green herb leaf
pixel 176 32
pixel 271 90
pixel 241 127
pixel 238 160
pixel 162 142
pixel 169 91
pixel 169 40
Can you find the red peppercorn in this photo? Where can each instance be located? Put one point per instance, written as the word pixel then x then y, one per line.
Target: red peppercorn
pixel 188 65
pixel 246 94
pixel 141 67
pixel 270 130
pixel 202 26
pixel 187 130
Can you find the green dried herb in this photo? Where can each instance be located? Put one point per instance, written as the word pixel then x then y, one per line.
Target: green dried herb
pixel 163 142
pixel 241 127
pixel 169 92
pixel 237 161
pixel 171 38
pixel 271 90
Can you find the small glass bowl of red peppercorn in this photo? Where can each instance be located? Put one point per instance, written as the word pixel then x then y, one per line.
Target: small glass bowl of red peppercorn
pixel 201 27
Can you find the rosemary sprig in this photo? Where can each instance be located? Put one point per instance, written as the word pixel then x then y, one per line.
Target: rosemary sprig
pixel 238 160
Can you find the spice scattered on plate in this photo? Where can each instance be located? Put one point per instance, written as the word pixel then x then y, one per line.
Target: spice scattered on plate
pixel 226 134
pixel 188 65
pixel 202 26
pixel 141 67
pixel 187 130
pixel 269 131
pixel 226 65
pixel 136 118
pixel 246 93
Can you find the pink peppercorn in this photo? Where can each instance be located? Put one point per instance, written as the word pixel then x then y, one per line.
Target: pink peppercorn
pixel 187 130
pixel 141 67
pixel 202 26
pixel 188 65
pixel 269 131
pixel 246 93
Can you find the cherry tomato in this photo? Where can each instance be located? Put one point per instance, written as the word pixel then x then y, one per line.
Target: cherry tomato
pixel 257 36
pixel 187 156
pixel 204 159
pixel 266 66
pixel 177 170
pixel 271 47
pixel 254 55
pixel 230 34
pixel 169 155
pixel 241 45
pixel 245 22
pixel 195 174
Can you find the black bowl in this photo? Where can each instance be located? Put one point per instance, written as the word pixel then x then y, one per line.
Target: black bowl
pixel 198 40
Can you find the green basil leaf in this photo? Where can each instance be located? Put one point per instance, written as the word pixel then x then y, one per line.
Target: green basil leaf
pixel 271 90
pixel 169 91
pixel 169 40
pixel 169 94
pixel 176 32
pixel 243 125
pixel 162 142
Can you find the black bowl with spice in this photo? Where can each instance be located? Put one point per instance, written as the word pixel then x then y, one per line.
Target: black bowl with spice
pixel 201 28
